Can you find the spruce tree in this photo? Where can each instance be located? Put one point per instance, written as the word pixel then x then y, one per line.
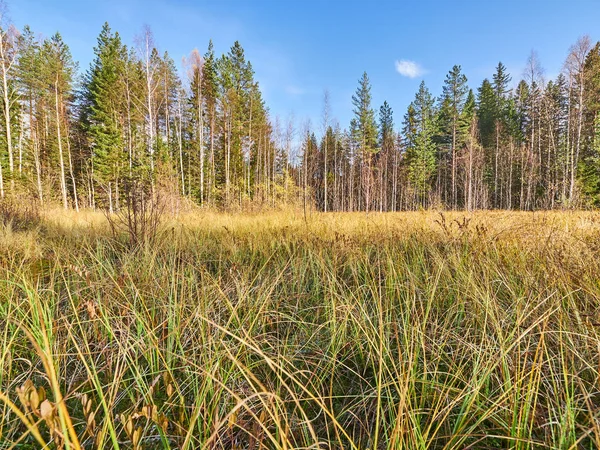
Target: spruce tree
pixel 486 108
pixel 197 115
pixel 103 110
pixel 210 93
pixel 500 83
pixel 454 94
pixel 420 153
pixel 589 166
pixel 385 156
pixel 386 125
pixel 366 128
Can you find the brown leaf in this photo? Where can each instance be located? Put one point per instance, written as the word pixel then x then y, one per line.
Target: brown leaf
pixel 34 399
pixel 46 410
pixel 137 434
pixel 41 393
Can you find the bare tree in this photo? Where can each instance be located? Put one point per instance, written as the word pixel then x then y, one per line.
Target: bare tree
pixel 288 155
pixel 179 133
pixel 472 160
pixel 325 126
pixel 534 76
pixel 8 56
pixel 146 48
pixel 574 65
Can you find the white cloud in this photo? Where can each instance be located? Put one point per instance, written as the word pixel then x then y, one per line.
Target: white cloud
pixel 409 69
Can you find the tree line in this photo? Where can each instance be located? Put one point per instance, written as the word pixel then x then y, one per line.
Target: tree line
pixel 79 139
pixel 203 133
pixel 533 144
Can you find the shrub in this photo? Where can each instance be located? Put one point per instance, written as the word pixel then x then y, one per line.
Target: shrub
pixel 141 214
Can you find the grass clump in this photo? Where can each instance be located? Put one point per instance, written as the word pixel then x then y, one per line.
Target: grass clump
pixel 408 330
pixel 19 217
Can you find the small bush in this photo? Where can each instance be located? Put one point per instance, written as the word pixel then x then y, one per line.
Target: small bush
pixel 141 214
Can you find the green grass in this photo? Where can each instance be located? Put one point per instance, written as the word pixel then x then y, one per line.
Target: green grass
pixel 403 331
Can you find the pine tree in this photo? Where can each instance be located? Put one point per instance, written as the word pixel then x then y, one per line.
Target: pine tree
pixel 59 71
pixel 365 134
pixel 30 86
pixel 236 83
pixel 241 80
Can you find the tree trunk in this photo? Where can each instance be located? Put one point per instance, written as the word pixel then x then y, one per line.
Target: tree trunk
pixel 63 182
pixel 325 175
pixel 201 141
pixel 454 192
pixel 72 173
pixel 110 201
pixel 180 145
pixel 7 125
pixel 149 104
pixel 575 160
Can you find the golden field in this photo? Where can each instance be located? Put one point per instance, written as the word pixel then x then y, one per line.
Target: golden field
pixel 414 330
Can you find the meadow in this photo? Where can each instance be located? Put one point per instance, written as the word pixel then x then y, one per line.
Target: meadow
pixel 414 330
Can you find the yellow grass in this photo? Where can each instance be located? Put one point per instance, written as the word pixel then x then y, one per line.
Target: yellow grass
pixel 275 330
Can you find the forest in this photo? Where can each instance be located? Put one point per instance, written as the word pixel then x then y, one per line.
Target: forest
pixel 200 131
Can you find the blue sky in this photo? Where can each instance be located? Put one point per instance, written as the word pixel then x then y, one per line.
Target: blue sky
pixel 300 48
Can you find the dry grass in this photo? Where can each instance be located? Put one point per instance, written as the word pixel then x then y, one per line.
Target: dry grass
pixel 405 331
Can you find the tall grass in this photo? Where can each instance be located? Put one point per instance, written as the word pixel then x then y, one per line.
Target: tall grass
pixel 404 331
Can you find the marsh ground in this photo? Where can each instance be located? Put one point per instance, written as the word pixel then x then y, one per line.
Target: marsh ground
pixel 405 330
